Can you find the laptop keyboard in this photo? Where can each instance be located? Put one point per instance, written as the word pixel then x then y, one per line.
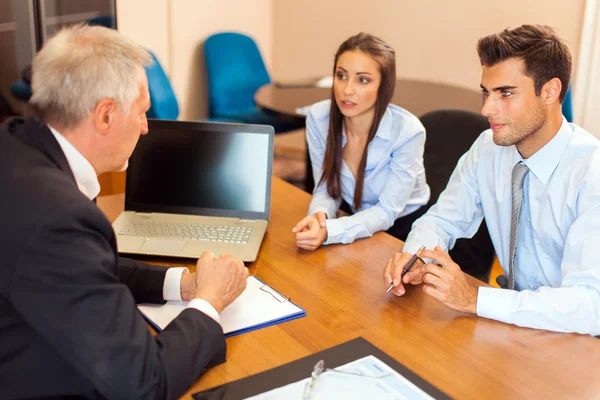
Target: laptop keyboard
pixel 201 232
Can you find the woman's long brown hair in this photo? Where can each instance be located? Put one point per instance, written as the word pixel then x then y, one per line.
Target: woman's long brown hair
pixel 384 55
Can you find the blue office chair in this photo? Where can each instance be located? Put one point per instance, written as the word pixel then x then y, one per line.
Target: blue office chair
pixel 21 90
pixel 163 101
pixel 567 106
pixel 107 21
pixel 235 71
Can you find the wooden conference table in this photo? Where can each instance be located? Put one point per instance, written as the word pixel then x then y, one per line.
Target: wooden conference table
pixel 341 289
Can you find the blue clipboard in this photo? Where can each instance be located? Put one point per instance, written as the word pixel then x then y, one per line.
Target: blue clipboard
pixel 276 321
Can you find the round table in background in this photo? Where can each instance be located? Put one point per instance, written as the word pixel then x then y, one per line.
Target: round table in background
pixel 418 97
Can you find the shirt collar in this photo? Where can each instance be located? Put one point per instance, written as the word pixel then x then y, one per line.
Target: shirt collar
pixel 383 130
pixel 83 171
pixel 545 160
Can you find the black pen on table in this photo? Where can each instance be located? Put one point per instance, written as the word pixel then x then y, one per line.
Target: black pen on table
pixel 408 266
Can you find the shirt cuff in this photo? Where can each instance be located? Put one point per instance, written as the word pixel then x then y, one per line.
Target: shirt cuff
pixel 410 247
pixel 205 307
pixel 496 303
pixel 413 244
pixel 335 228
pixel 172 285
pixel 323 210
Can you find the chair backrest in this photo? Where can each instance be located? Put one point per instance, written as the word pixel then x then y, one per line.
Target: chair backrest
pixel 567 106
pixel 163 101
pixel 21 91
pixel 235 71
pixel 450 133
pixel 107 21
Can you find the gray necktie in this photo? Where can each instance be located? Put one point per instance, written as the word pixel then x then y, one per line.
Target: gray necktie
pixel 518 175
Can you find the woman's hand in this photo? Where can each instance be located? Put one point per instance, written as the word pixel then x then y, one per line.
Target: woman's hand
pixel 311 231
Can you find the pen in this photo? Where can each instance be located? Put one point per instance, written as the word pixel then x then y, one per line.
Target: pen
pixel 407 267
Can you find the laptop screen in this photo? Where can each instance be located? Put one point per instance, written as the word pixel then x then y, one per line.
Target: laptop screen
pixel 202 168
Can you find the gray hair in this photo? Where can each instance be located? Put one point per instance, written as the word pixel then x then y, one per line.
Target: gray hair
pixel 82 65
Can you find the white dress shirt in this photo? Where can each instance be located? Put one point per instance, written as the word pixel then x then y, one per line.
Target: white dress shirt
pixel 557 264
pixel 87 181
pixel 394 183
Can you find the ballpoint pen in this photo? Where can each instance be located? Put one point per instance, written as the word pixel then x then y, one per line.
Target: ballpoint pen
pixel 408 266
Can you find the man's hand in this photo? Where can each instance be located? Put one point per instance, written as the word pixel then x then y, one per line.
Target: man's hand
pixel 392 272
pixel 188 286
pixel 311 232
pixel 219 280
pixel 447 283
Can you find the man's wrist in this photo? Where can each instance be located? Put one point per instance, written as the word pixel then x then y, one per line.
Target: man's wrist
pixel 216 303
pixel 187 286
pixel 473 307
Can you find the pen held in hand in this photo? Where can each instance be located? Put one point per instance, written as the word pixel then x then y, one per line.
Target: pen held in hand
pixel 412 261
pixel 408 266
pixel 390 288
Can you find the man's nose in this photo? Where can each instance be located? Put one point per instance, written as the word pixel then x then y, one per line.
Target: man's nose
pixel 490 107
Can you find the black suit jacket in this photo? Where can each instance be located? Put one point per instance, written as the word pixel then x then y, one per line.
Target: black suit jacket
pixel 68 324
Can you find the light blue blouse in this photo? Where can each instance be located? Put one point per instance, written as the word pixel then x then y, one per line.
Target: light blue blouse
pixel 394 184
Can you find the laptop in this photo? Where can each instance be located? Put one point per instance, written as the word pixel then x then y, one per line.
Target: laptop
pixel 197 186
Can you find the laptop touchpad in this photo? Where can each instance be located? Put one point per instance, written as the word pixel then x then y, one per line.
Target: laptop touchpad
pixel 164 246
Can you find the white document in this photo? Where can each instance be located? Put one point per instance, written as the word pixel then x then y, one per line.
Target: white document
pixel 379 382
pixel 258 306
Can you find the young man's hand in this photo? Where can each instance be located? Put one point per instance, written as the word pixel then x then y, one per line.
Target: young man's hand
pixel 392 273
pixel 447 283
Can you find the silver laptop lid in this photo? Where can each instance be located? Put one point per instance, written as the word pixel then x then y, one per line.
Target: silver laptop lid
pixel 202 168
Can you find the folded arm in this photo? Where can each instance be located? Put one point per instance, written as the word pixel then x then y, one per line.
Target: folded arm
pixel 405 166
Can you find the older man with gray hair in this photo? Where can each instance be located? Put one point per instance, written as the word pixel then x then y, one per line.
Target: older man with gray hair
pixel 68 321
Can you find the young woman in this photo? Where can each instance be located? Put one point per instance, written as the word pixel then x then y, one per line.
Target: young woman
pixel 365 152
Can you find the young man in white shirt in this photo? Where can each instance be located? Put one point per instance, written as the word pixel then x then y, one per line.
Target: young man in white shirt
pixel 545 226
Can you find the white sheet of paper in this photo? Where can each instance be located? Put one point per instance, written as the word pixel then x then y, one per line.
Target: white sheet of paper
pixel 331 385
pixel 254 307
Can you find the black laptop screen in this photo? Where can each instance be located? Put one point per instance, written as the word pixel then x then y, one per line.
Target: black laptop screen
pixel 201 168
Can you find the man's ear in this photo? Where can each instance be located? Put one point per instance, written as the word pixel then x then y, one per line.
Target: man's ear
pixel 104 115
pixel 551 91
